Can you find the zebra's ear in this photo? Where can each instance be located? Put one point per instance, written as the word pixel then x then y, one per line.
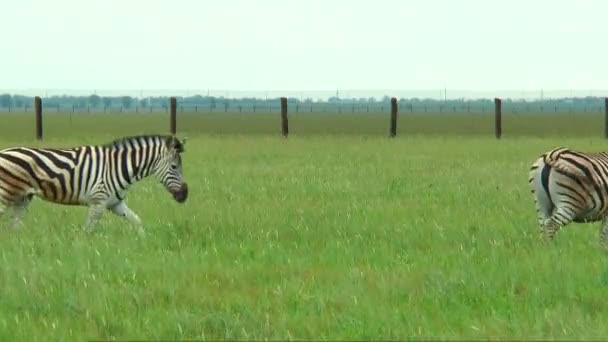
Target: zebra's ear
pixel 176 144
pixel 180 144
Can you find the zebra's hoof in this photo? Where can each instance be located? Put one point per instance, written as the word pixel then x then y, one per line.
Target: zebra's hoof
pixel 88 230
pixel 548 238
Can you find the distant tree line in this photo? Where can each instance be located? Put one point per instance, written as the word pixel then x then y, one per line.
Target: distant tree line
pixel 94 101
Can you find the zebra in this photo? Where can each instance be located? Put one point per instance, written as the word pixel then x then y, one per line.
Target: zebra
pixel 570 186
pixel 96 176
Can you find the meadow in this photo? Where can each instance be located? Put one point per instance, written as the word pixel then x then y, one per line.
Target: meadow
pixel 336 233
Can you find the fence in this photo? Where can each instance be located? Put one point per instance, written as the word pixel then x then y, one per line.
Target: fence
pixel 340 101
pixel 594 105
pixel 283 105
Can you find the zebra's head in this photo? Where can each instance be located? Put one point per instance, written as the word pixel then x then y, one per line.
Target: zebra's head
pixel 169 168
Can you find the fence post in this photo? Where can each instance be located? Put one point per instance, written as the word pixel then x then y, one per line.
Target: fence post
pixel 606 117
pixel 498 117
pixel 172 114
pixel 284 122
pixel 38 111
pixel 393 129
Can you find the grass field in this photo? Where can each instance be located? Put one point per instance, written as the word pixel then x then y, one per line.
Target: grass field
pixel 319 236
pixel 19 126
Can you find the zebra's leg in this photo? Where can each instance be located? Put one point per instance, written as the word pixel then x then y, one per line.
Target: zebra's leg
pixel 560 218
pixel 6 209
pixel 18 208
pixel 97 205
pixel 95 212
pixel 543 212
pixel 604 233
pixel 2 211
pixel 5 204
pixel 542 201
pixel 121 209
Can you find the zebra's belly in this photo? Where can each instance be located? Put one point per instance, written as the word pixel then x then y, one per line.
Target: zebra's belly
pixel 66 201
pixel 590 216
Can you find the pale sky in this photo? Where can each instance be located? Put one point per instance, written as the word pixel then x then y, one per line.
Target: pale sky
pixel 304 44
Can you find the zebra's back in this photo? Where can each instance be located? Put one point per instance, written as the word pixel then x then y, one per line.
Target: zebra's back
pixel 57 175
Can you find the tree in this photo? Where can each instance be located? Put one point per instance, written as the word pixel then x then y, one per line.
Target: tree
pixel 18 101
pixel 107 101
pixel 5 100
pixel 126 101
pixel 81 102
pixel 94 100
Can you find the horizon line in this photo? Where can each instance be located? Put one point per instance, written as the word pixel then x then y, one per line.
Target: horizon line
pixel 443 93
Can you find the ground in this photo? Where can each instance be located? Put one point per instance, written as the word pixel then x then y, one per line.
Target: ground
pixel 318 236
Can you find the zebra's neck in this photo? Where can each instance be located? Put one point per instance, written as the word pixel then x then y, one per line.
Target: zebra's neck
pixel 136 160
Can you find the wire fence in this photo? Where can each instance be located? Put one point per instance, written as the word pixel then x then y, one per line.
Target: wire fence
pixel 346 101
pixel 84 116
pixel 593 105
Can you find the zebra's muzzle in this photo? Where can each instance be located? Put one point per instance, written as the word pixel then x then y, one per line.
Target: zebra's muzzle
pixel 181 195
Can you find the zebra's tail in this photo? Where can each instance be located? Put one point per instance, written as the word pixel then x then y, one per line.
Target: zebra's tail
pixel 539 178
pixel 539 185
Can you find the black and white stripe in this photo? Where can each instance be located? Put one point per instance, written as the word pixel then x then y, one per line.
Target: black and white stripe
pixel 94 176
pixel 570 186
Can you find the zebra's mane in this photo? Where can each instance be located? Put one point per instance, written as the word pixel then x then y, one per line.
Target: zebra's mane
pixel 125 141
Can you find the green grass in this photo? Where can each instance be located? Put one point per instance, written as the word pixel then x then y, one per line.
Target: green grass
pixel 352 236
pixel 18 126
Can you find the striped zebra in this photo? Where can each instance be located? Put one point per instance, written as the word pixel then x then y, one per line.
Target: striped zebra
pixel 93 176
pixel 570 186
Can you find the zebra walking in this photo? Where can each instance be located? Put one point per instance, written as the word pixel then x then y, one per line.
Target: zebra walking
pixel 570 186
pixel 93 176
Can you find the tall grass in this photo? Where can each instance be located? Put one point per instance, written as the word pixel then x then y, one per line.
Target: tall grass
pixel 17 126
pixel 312 237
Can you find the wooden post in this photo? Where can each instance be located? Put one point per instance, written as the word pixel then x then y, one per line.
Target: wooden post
pixel 284 122
pixel 498 117
pixel 606 117
pixel 393 129
pixel 38 111
pixel 172 114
